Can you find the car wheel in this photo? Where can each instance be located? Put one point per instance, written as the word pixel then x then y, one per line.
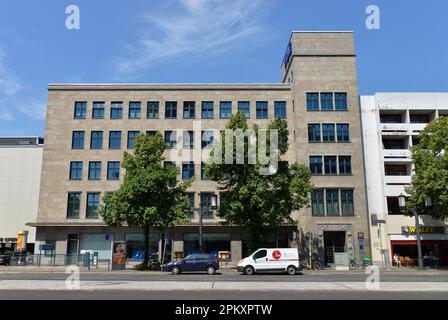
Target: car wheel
pixel 175 270
pixel 249 270
pixel 291 270
pixel 211 270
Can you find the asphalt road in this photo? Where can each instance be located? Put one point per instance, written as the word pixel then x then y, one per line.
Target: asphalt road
pixel 218 295
pixel 234 277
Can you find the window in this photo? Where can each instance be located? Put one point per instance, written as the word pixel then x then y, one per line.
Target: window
pixel 152 111
pixel 113 170
pixel 347 203
pixel 260 254
pixel 393 144
pixel 135 110
pixel 169 164
pixel 393 207
pixel 190 210
pixel 244 107
pixel 94 170
pixel 206 205
pixel 419 118
pixel 328 133
pixel 207 139
pixel 78 140
pixel 170 110
pixel 203 174
pixel 96 140
pixel 312 101
pixel 314 133
pixel 316 165
pixel 188 140
pixel 115 140
pixel 170 139
pixel 93 205
pixel 326 101
pixel 151 133
pixel 396 170
pixel 340 101
pixel 262 109
pixel 390 118
pixel 116 110
pixel 73 205
pixel 80 110
pixel 317 203
pixel 330 164
pixel 332 202
pixel 76 170
pixel 207 110
pixel 343 132
pixel 280 109
pixel 345 165
pixel 187 170
pixel 131 137
pixel 189 109
pixel 98 110
pixel 225 109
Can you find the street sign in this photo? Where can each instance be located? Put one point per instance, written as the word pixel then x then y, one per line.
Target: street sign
pixel 46 247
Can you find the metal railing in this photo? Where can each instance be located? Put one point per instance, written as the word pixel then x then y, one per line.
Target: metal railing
pixel 59 260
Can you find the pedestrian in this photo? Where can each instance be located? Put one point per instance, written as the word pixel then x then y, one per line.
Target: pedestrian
pixel 397 260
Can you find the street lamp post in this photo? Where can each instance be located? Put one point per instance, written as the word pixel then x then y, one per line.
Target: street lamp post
pixel 415 211
pixel 214 205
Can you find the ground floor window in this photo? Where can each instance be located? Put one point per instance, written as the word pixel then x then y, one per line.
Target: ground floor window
pixel 135 246
pixel 212 243
pixel 280 240
pixel 408 252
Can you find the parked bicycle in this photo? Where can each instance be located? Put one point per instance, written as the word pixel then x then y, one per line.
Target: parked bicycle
pixel 355 264
pixel 315 264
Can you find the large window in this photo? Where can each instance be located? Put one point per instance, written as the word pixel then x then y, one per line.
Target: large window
pixel 115 140
pixel 393 207
pixel 152 111
pixel 212 243
pixel 94 170
pixel 347 203
pixel 316 165
pixel 73 205
pixel 187 170
pixel 96 140
pixel 80 110
pixel 170 139
pixel 419 118
pixel 78 140
pixel 131 137
pixel 225 109
pixel 203 173
pixel 207 110
pixel 170 110
pixel 135 109
pixel 345 165
pixel 262 109
pixel 396 170
pixel 343 131
pixel 314 133
pixel 326 101
pixel 188 140
pixel 280 109
pixel 98 110
pixel 189 109
pixel 207 139
pixel 206 205
pixel 116 110
pixel 330 164
pixel 328 133
pixel 332 198
pixel 93 205
pixel 390 118
pixel 317 203
pixel 113 170
pixel 244 108
pixel 340 101
pixel 190 210
pixel 312 101
pixel 76 170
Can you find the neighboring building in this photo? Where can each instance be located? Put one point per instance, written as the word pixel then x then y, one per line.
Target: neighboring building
pixel 89 126
pixel 20 173
pixel 391 125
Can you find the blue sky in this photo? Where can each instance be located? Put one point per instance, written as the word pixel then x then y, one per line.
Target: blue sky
pixel 202 41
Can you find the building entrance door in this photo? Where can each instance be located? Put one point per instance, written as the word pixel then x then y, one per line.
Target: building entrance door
pixel 334 242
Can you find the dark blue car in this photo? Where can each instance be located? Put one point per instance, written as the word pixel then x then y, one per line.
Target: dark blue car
pixel 194 263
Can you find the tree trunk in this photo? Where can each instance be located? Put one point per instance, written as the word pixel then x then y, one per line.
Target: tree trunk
pixel 146 247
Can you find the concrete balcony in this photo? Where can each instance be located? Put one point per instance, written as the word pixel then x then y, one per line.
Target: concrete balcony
pixel 398 154
pixel 417 127
pixel 394 127
pixel 397 180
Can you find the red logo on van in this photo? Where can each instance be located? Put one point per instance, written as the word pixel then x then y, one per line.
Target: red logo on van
pixel 276 254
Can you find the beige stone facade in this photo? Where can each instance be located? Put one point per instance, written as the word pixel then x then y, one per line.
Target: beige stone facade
pixel 320 62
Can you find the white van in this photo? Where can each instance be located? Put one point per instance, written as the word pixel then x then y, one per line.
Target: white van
pixel 267 260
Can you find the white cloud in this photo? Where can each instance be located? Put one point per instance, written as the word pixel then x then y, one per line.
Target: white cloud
pixel 6 116
pixel 186 28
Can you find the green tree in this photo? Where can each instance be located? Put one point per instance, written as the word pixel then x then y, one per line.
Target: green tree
pixel 258 203
pixel 430 159
pixel 150 195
